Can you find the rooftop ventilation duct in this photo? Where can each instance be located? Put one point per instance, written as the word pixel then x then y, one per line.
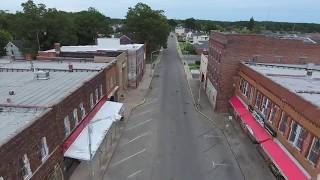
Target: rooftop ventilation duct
pixel 41 75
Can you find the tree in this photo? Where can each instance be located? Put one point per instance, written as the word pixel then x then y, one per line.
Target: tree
pixel 146 25
pixel 90 24
pixel 5 37
pixel 191 23
pixel 251 24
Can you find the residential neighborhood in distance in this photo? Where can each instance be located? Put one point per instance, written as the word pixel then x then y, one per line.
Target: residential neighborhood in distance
pixel 152 93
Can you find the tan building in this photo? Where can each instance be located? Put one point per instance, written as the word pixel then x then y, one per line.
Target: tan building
pixel 278 106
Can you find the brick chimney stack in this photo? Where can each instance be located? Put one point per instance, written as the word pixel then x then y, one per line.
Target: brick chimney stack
pixel 57 48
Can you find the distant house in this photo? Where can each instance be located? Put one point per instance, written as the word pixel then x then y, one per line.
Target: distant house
pixel 180 31
pixel 201 46
pixel 125 40
pixel 14 49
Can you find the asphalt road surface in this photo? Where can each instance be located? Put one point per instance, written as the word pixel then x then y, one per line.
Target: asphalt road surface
pixel 166 139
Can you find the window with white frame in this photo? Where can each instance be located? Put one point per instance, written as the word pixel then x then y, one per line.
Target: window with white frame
pixel 265 107
pixel 44 149
pixel 245 88
pixel 314 152
pixel 273 113
pixel 101 94
pixel 97 95
pixel 258 100
pixel 75 116
pixel 91 100
pixel 82 110
pixel 283 122
pixel 25 168
pixel 297 135
pixel 66 126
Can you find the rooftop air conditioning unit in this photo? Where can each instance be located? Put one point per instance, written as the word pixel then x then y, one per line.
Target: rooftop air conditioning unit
pixel 41 75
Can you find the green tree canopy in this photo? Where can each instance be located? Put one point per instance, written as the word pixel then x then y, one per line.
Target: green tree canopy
pixel 5 37
pixel 146 25
pixel 251 24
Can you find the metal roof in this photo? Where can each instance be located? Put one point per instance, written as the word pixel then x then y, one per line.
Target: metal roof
pixel 294 78
pixel 29 91
pixel 55 65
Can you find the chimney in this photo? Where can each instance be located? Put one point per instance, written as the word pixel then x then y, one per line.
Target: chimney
pixel 28 57
pixel 70 67
pixel 57 48
pixel 309 70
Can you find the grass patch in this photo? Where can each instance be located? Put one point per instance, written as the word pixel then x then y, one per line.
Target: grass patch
pixel 186 48
pixel 194 66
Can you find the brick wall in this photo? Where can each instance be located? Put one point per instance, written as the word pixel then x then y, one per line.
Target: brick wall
pixel 227 50
pixel 306 114
pixel 50 125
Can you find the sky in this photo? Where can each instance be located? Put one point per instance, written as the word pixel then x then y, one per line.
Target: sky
pixel 225 10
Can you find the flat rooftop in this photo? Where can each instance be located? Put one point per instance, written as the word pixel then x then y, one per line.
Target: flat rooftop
pixel 294 78
pixel 33 97
pixel 55 65
pixel 29 91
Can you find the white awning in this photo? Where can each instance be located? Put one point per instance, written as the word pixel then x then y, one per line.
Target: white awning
pixel 99 124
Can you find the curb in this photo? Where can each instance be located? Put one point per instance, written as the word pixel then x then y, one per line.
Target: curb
pixel 206 117
pixel 133 108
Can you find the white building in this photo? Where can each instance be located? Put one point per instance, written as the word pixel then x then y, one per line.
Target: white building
pixel 196 39
pixel 14 50
pixel 179 30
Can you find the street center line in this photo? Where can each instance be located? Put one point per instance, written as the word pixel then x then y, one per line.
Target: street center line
pixel 134 174
pixel 139 124
pixel 123 160
pixel 138 137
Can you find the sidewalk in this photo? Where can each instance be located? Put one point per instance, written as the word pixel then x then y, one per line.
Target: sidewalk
pixel 133 98
pixel 245 152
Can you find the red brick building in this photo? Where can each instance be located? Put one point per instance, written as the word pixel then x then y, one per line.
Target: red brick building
pixel 40 110
pixel 227 50
pixel 279 107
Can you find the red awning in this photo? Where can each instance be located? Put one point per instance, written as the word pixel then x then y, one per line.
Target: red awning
pixel 280 158
pixel 285 164
pixel 258 131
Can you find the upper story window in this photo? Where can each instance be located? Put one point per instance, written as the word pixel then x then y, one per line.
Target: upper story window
pixel 297 135
pixel 44 149
pixel 266 105
pixel 91 100
pixel 258 100
pixel 97 95
pixel 66 126
pixel 101 94
pixel 75 116
pixel 283 122
pixel 314 152
pixel 245 88
pixel 82 110
pixel 25 168
pixel 273 113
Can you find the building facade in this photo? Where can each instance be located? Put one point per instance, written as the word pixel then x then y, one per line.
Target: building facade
pixel 280 105
pixel 39 111
pixel 226 51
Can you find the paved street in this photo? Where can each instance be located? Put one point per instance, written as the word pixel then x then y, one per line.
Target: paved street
pixel 166 139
